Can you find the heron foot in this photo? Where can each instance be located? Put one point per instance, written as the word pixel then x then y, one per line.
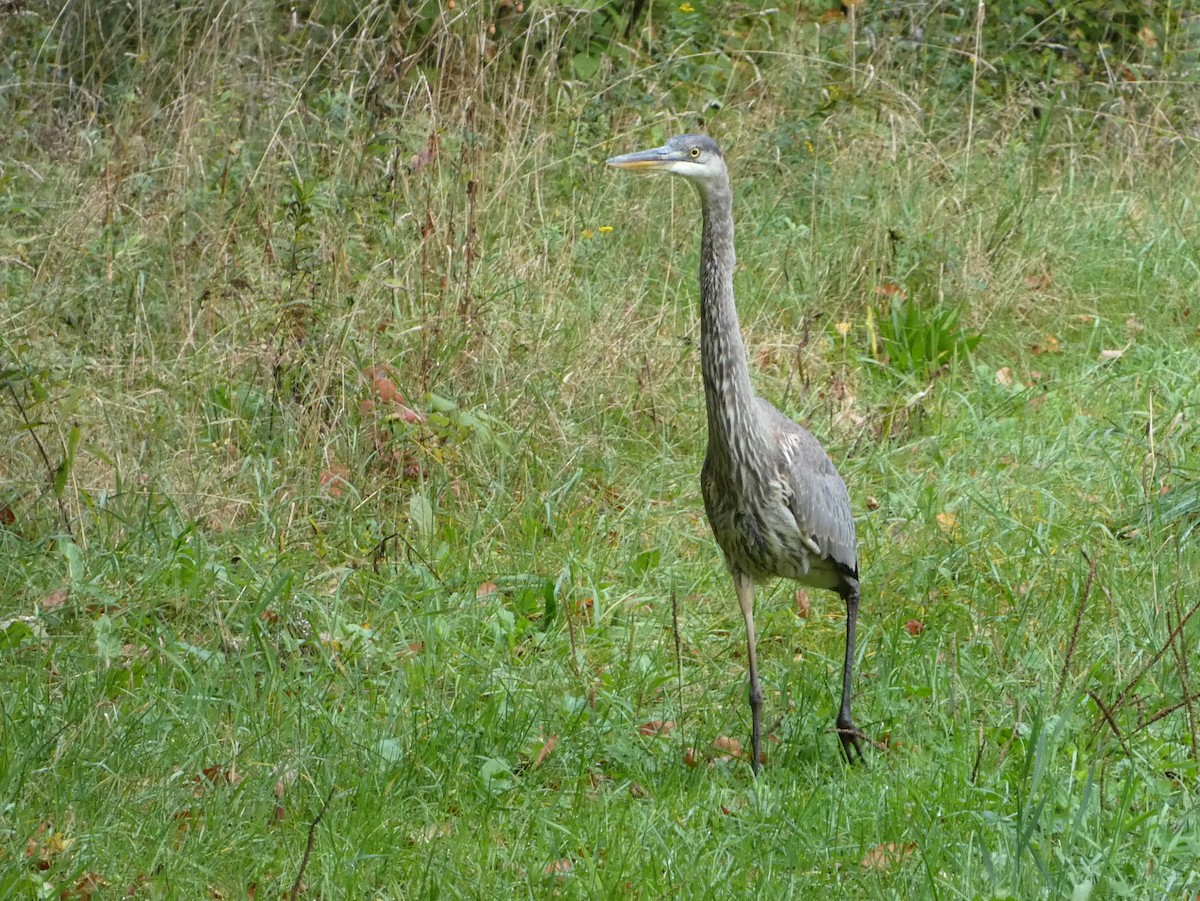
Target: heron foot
pixel 852 739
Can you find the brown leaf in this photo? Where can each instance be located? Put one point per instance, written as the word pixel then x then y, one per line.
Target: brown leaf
pixel 7 517
pixel 914 627
pixel 947 522
pixel 803 604
pixel 1038 282
pixel 485 589
pixel 1004 376
pixel 44 845
pixel 656 727
pixel 1107 356
pixel 220 775
pixel 888 855
pixel 730 746
pixel 334 480
pixel 1048 345
pixel 691 758
pixel 547 747
pixel 427 154
pixel 561 867
pixel 412 649
pixel 83 889
pixel 286 778
pixel 887 289
pixel 872 503
pixel 386 391
pixel 55 599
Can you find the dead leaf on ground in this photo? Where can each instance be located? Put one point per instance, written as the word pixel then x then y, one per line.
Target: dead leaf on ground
pixel 426 155
pixel 1133 324
pixel 433 831
pixel 43 846
pixel 803 603
pixel 87 885
pixel 561 867
pixel 948 523
pixel 656 727
pixel 872 503
pixel 7 517
pixel 55 599
pixel 691 758
pixel 545 750
pixel 888 289
pixel 888 855
pixel 914 627
pixel 221 775
pixel 408 414
pixel 1004 376
pixel 1108 355
pixel 1039 282
pixel 485 589
pixel 412 649
pixel 335 480
pixel 286 778
pixel 730 746
pixel 1048 345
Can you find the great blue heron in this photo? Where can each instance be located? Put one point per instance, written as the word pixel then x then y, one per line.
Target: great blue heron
pixel 776 504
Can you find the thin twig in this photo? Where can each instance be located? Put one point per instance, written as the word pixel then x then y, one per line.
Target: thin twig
pixel 1083 599
pixel 1187 701
pixel 381 549
pixel 1153 660
pixel 1111 722
pixel 1181 659
pixel 312 834
pixel 566 607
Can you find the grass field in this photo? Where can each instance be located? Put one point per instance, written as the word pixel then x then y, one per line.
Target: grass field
pixel 350 433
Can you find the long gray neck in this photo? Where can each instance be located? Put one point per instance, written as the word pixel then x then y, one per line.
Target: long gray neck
pixel 727 391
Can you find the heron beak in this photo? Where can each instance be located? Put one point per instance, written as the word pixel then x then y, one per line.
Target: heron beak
pixel 645 160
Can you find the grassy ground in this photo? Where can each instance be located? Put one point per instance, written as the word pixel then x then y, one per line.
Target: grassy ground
pixel 352 425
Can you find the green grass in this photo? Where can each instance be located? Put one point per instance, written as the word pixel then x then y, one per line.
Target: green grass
pixel 222 245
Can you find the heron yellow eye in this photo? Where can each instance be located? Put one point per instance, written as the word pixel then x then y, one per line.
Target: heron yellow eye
pixel 695 152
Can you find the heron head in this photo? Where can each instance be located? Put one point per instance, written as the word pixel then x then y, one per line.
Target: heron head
pixel 696 157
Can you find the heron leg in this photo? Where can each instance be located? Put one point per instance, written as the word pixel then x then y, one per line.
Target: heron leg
pixel 848 733
pixel 744 586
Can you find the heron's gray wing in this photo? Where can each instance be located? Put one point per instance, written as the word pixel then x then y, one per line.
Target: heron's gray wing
pixel 818 497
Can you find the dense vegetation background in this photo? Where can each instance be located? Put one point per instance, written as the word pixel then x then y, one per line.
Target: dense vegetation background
pixel 350 429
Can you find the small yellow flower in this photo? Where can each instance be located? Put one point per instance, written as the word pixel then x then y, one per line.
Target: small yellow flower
pixel 587 232
pixel 605 229
pixel 686 8
pixel 843 328
pixel 808 145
